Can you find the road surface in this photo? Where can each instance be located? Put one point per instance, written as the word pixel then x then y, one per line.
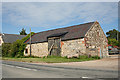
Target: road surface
pixel 12 69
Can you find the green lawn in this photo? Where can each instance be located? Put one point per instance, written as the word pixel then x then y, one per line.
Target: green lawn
pixel 51 59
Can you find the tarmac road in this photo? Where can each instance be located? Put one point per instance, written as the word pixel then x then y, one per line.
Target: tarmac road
pixel 12 69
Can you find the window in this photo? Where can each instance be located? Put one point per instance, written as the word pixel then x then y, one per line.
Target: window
pixel 26 51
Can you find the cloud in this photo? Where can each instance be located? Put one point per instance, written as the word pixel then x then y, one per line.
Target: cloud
pixel 57 14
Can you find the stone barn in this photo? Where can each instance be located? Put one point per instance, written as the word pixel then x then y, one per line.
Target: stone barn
pixel 73 41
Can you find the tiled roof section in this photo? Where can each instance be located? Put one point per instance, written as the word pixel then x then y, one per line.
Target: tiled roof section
pixel 10 38
pixel 73 32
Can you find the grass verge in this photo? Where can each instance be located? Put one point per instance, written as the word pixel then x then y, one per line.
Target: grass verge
pixel 51 59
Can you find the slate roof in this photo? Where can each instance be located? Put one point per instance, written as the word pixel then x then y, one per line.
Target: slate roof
pixel 72 32
pixel 57 35
pixel 10 38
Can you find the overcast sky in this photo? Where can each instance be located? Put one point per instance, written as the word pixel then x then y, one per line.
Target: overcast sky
pixel 42 16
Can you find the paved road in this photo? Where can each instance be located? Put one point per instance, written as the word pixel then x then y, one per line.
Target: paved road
pixel 11 69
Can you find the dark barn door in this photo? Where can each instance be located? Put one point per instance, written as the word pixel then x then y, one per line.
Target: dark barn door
pixel 54 46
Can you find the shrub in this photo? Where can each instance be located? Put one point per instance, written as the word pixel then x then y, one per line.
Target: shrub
pixel 29 56
pixel 65 57
pixel 17 49
pixel 6 49
pixel 95 57
pixel 83 57
pixel 0 51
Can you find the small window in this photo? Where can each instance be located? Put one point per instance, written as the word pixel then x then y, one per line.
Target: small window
pixel 26 51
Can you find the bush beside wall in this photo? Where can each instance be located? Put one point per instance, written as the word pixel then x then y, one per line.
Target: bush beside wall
pixel 15 49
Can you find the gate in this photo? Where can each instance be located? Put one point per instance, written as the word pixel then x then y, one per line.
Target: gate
pixel 54 46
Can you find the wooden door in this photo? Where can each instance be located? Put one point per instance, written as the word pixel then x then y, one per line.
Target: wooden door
pixel 54 46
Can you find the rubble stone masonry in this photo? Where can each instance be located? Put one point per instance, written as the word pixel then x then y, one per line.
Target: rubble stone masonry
pixel 94 43
pixel 73 47
pixel 37 49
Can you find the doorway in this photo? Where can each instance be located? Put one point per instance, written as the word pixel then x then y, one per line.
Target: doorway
pixel 54 44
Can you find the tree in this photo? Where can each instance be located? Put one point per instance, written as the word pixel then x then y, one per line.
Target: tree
pixel 113 34
pixel 113 37
pixel 23 32
pixel 113 42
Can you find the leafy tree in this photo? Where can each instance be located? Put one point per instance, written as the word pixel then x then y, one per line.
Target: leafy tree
pixel 113 42
pixel 23 32
pixel 112 34
pixel 113 37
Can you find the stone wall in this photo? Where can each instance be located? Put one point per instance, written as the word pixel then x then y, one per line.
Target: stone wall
pixel 68 48
pixel 96 41
pixel 37 49
pixel 73 47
